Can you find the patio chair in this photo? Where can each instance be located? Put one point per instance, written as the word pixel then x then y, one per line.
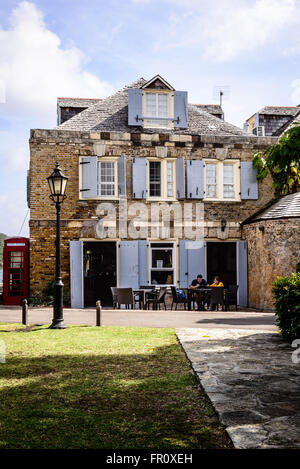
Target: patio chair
pixel 156 299
pixel 125 297
pixel 217 298
pixel 231 297
pixel 114 294
pixel 176 300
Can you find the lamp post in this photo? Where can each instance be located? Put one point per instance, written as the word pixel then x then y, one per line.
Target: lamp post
pixel 57 184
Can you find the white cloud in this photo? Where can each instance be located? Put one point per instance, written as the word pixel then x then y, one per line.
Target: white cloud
pixel 296 91
pixel 246 28
pixel 35 70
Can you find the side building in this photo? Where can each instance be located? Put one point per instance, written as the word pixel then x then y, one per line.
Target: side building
pixel 157 192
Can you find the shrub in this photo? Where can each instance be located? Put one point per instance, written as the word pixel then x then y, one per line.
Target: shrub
pixel 287 305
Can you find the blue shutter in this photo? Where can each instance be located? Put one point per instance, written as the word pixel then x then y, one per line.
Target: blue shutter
pixel 122 175
pixel 180 179
pixel 143 264
pixel 183 264
pixel 242 271
pixel 89 177
pixel 249 184
pixel 256 120
pixel 76 274
pixel 129 264
pixel 195 179
pixel 180 109
pixel 135 112
pixel 28 188
pixel 196 259
pixel 139 178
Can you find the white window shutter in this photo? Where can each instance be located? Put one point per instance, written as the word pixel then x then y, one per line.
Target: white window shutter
pixel 89 173
pixel 249 183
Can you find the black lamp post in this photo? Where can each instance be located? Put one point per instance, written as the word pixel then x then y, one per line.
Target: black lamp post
pixel 57 184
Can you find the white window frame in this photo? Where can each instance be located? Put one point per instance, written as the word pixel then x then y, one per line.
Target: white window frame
pixel 152 123
pixel 174 259
pixel 102 197
pixel 163 179
pixel 220 178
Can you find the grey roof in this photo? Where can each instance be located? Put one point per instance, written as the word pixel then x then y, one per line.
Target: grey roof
pixel 211 108
pixel 280 110
pixel 286 207
pixel 111 114
pixel 77 102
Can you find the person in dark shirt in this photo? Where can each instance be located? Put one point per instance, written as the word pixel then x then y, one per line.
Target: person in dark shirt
pixel 198 282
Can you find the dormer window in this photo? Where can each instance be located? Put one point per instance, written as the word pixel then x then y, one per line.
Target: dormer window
pixel 156 104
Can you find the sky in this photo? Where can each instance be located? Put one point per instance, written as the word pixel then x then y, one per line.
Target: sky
pixel 91 49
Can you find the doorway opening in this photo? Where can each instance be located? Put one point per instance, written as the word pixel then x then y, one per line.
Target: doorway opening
pixel 100 272
pixel 221 260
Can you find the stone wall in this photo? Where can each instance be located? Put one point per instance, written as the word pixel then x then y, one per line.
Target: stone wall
pixel 79 216
pixel 273 249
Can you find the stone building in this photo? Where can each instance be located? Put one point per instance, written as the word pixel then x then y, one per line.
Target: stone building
pixel 272 120
pixel 157 191
pixel 273 237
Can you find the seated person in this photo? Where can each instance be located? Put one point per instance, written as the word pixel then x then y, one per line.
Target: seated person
pixel 217 283
pixel 198 282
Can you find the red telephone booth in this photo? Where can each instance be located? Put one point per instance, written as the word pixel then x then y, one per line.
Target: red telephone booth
pixel 15 270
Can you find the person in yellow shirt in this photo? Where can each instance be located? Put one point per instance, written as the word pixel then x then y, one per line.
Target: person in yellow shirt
pixel 217 282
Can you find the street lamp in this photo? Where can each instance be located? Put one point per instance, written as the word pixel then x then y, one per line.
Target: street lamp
pixel 57 184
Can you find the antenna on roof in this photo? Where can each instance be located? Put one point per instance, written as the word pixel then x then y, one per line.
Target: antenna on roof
pixel 221 92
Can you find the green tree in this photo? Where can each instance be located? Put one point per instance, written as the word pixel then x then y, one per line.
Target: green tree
pixel 282 161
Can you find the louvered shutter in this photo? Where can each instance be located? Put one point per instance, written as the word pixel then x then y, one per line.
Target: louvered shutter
pixel 129 264
pixel 143 264
pixel 191 261
pixel 249 184
pixel 76 274
pixel 195 179
pixel 183 265
pixel 242 273
pixel 89 177
pixel 139 178
pixel 180 109
pixel 180 179
pixel 122 176
pixel 135 106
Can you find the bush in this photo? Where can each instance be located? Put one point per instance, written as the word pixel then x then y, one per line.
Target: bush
pixel 46 297
pixel 287 305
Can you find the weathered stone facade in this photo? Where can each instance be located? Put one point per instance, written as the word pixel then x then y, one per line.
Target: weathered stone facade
pixel 273 250
pixel 79 217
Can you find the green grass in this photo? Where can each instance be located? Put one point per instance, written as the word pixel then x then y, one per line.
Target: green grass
pixel 110 387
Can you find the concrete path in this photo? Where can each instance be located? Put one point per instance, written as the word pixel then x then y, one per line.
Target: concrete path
pixel 252 382
pixel 136 318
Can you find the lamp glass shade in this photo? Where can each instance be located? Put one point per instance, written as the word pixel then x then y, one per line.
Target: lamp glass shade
pixel 57 184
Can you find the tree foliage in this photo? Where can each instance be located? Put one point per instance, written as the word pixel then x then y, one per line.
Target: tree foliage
pixel 282 161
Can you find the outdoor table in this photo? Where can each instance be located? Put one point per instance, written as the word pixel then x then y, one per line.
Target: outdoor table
pixel 142 294
pixel 201 291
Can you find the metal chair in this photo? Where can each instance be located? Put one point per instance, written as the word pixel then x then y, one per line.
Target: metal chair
pixel 125 297
pixel 217 297
pixel 176 299
pixel 114 294
pixel 231 297
pixel 156 299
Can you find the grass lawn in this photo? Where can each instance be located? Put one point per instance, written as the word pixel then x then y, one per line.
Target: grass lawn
pixel 109 387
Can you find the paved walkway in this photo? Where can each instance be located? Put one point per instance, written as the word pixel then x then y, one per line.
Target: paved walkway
pixel 136 318
pixel 252 382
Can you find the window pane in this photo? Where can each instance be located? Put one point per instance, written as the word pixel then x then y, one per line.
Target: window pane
pixel 228 181
pixel 162 105
pixel 157 106
pixel 162 258
pixel 154 179
pixel 170 191
pixel 211 180
pixel 106 178
pixel 162 277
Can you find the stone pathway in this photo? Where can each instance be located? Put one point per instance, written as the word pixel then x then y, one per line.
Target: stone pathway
pixel 252 382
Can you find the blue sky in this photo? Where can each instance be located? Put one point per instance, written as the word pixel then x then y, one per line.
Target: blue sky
pixel 90 49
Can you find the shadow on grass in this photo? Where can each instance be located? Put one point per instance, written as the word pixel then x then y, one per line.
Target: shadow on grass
pixel 104 400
